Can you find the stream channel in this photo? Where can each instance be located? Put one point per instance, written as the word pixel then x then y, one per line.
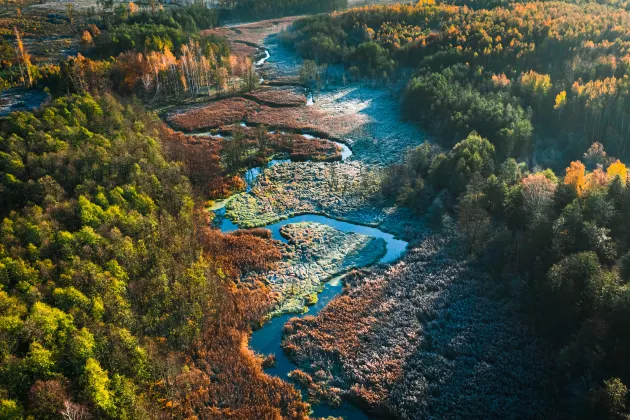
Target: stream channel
pixel 268 339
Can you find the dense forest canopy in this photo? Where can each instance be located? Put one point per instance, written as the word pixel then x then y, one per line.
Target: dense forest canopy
pixel 556 67
pixel 115 294
pixel 147 30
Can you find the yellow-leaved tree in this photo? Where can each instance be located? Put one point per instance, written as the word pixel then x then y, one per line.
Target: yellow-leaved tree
pixel 617 169
pixel 575 176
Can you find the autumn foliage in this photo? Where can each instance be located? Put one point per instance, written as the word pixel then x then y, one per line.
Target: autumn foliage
pixel 575 177
pixel 118 299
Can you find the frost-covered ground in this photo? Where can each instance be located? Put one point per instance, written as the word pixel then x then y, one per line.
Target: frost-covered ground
pixel 313 255
pixel 421 339
pixel 341 190
pixel 369 120
pixel 61 5
pixel 296 188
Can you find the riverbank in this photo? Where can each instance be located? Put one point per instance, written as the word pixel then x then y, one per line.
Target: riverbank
pixel 313 254
pixel 329 215
pixel 346 191
pixel 420 339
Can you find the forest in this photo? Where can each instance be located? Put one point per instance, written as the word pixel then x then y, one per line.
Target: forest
pixel 154 53
pixel 120 298
pixel 556 68
pixel 265 9
pixel 557 247
pixel 116 295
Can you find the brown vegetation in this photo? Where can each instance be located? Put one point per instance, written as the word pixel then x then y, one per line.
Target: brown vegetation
pixel 279 97
pixel 220 384
pixel 224 114
pixel 228 111
pixel 252 33
pixel 213 115
pixel 301 149
pixel 202 160
pixel 419 340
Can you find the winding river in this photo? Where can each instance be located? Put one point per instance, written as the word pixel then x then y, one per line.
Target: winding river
pixel 268 339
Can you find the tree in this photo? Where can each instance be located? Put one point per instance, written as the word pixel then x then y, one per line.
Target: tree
pixel 72 411
pixel 262 136
pixel 470 158
pixel 595 155
pixel 561 100
pixel 610 401
pixel 10 410
pixel 617 169
pixel 575 177
pixel 24 60
pixel 97 386
pixel 86 40
pixel 308 73
pixel 372 59
pixel 538 191
pixel 474 220
pixel 133 8
pixel 251 78
pixel 574 285
pixel 70 14
pixel 46 399
pixel 234 150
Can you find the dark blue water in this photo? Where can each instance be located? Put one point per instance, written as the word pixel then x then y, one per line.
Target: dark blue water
pixel 395 247
pixel 268 339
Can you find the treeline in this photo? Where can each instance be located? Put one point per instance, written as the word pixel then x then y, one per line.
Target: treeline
pixel 557 247
pixel 114 30
pixel 558 67
pixel 264 9
pixel 117 300
pixel 127 28
pixel 202 67
pixel 153 54
pixel 489 4
pixel 159 56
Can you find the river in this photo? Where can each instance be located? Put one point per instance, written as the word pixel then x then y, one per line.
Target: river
pixel 268 339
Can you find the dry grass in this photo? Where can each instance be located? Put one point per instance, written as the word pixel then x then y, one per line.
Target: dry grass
pixel 293 145
pixel 224 112
pixel 421 340
pixel 309 119
pixel 279 96
pixel 213 115
pixel 252 33
pixel 302 149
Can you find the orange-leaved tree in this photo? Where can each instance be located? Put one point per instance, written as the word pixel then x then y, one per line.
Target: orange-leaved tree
pixel 575 176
